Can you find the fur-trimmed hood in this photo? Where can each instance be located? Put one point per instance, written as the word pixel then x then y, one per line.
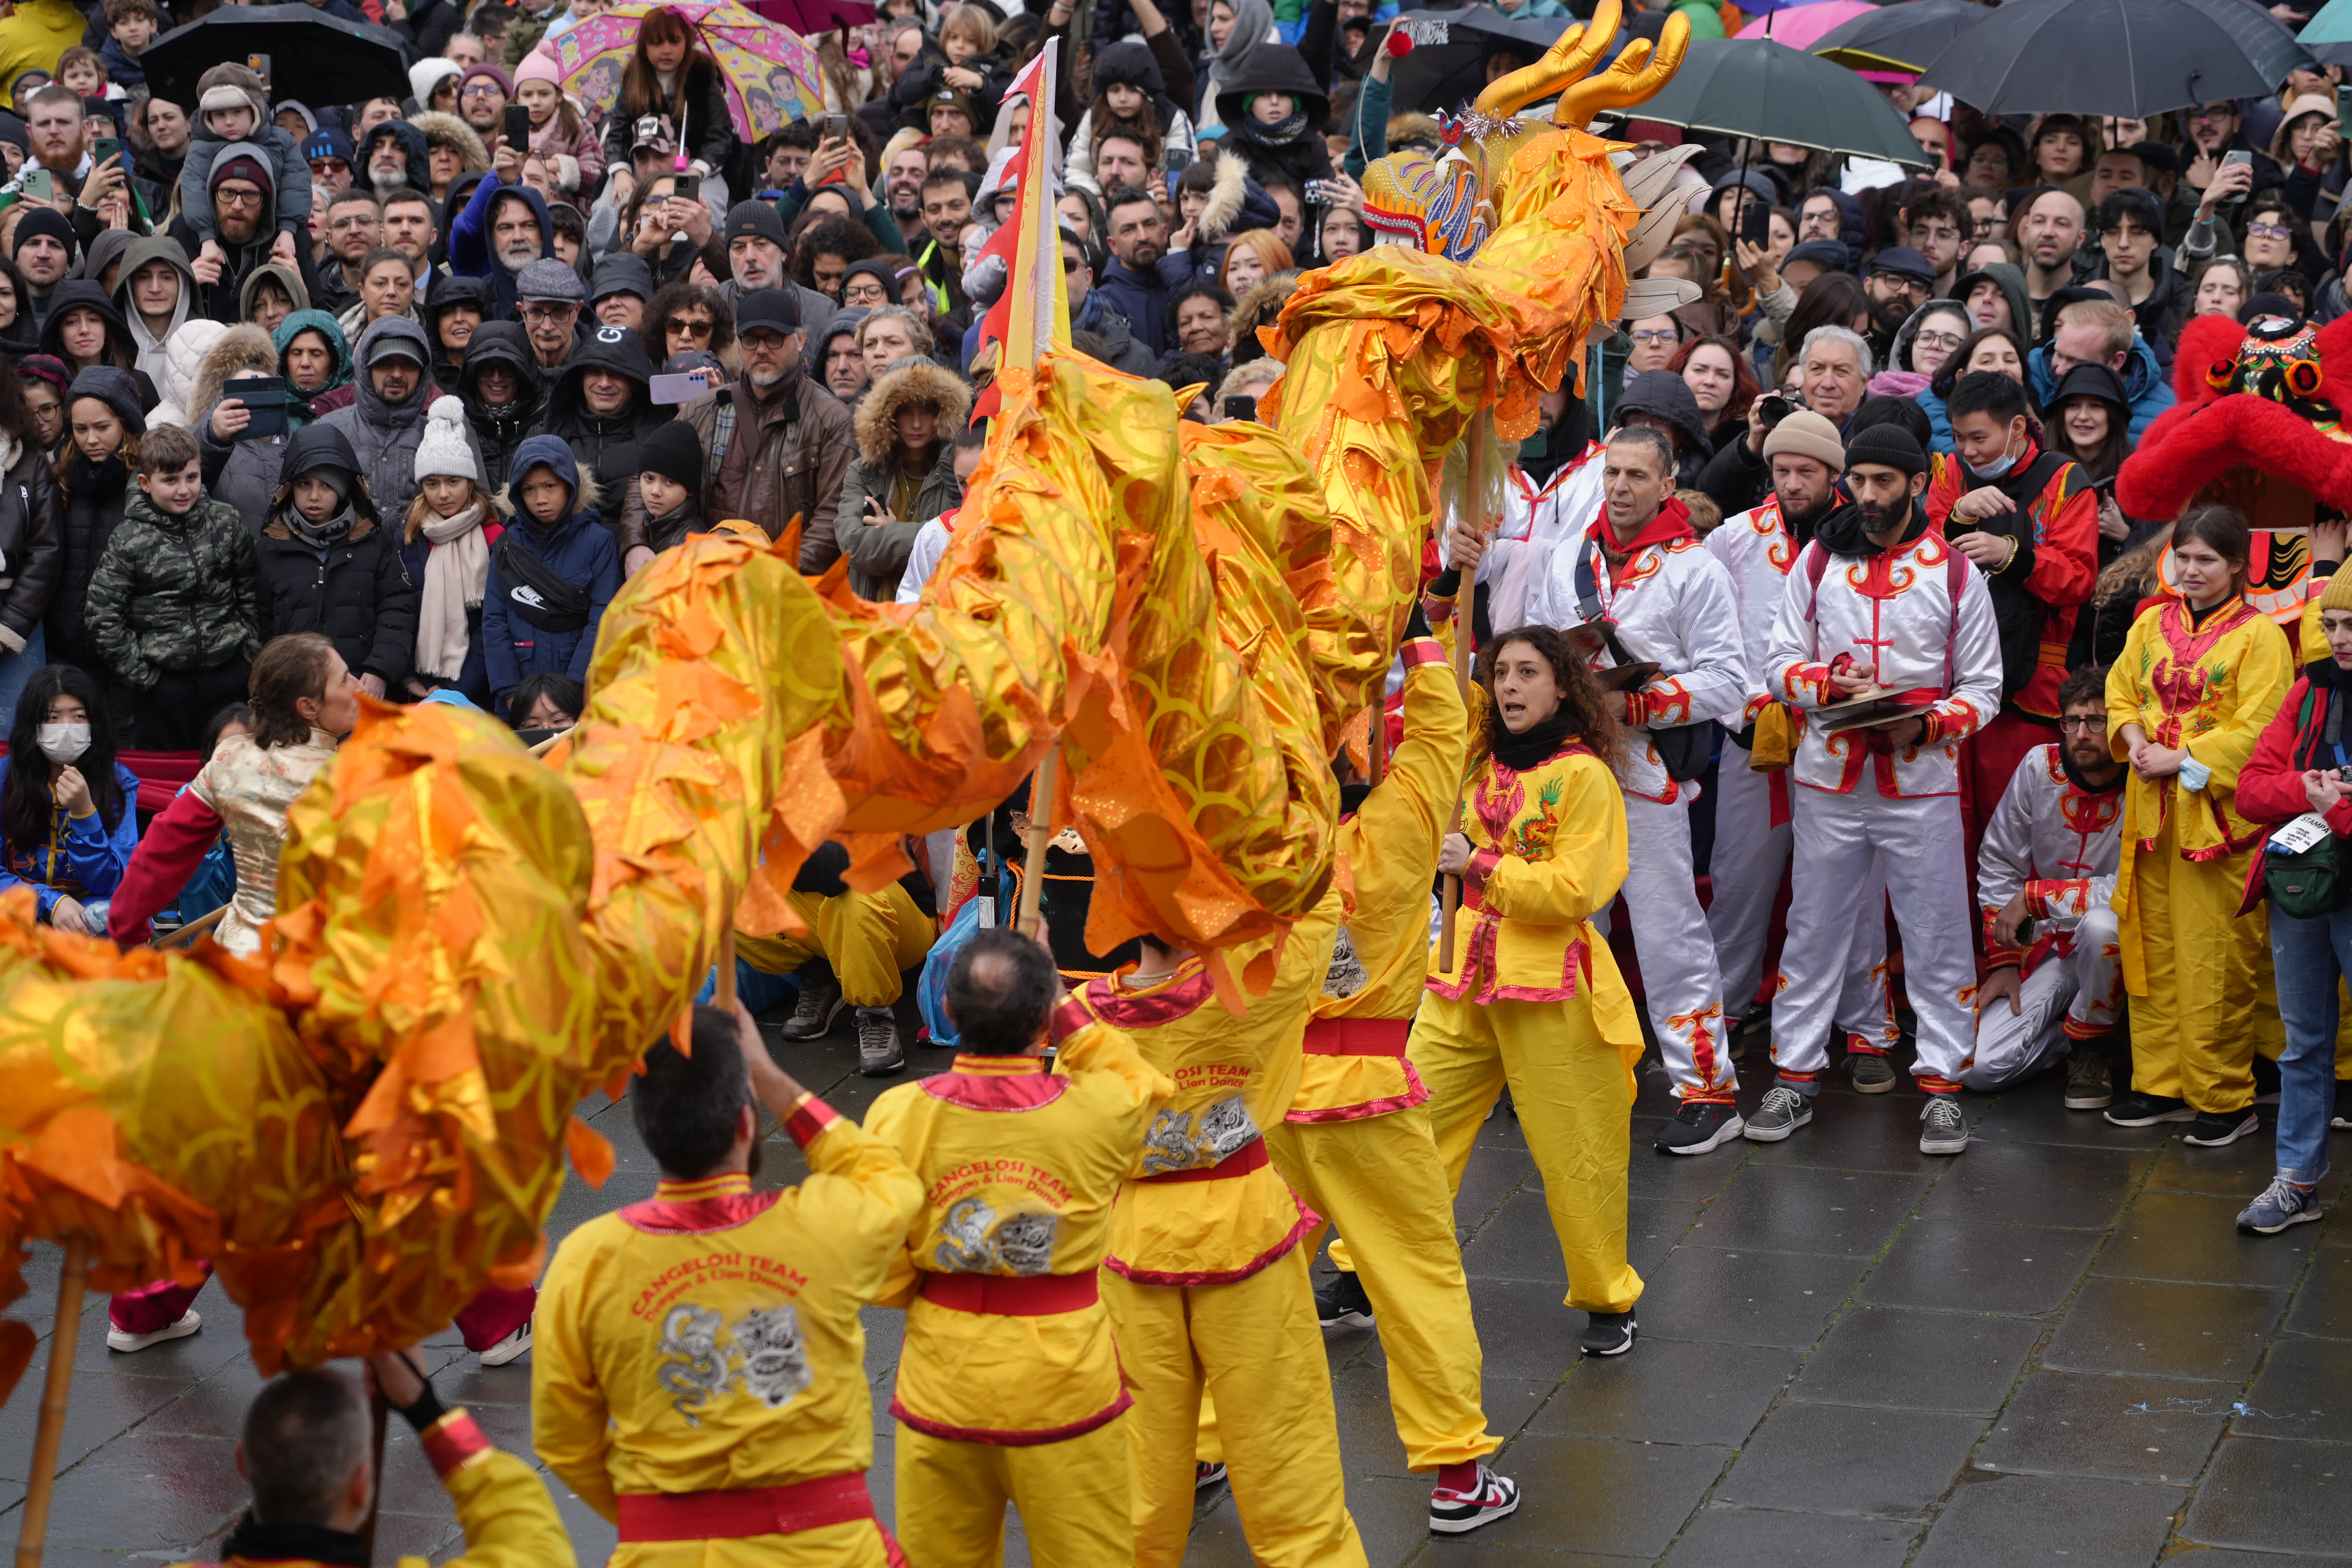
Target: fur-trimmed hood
pixel 1236 203
pixel 244 348
pixel 876 420
pixel 447 130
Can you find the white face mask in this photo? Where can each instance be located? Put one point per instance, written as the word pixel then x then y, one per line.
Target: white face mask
pixel 64 743
pixel 1999 467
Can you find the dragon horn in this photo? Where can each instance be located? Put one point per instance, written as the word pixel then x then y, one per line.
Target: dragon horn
pixel 1638 74
pixel 1563 65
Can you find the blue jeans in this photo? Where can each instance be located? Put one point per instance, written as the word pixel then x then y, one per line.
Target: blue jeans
pixel 16 669
pixel 756 989
pixel 2308 955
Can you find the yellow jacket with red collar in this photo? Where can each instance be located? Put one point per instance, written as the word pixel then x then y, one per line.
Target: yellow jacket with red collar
pixel 1007 1338
pixel 709 1338
pixel 502 1505
pixel 1202 1204
pixel 1355 1064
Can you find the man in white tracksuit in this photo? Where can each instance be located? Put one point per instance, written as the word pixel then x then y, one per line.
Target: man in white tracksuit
pixel 2049 854
pixel 1640 566
pixel 1760 548
pixel 1880 607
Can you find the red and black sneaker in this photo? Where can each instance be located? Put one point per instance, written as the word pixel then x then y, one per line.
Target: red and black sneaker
pixel 1453 1511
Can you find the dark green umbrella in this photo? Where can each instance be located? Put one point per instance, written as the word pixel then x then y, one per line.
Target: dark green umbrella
pixel 1757 88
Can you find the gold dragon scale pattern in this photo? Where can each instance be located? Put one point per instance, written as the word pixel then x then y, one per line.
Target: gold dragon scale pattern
pixel 370 1120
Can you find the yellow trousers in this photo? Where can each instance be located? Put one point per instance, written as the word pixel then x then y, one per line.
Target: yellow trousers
pixel 2206 1001
pixel 1073 1496
pixel 1380 1181
pixel 1575 1105
pixel 868 937
pixel 1254 1343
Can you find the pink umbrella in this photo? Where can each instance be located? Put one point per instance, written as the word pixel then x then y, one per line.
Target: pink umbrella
pixel 1798 26
pixel 767 73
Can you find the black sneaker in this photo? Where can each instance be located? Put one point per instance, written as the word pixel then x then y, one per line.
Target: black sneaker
pixel 820 1003
pixel 1342 1304
pixel 1451 1513
pixel 1700 1128
pixel 2089 1084
pixel 2220 1129
pixel 1608 1334
pixel 1783 1111
pixel 1869 1072
pixel 878 1052
pixel 1206 1475
pixel 2147 1110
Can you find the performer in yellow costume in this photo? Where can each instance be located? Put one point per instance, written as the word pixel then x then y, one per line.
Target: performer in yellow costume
pixel 866 942
pixel 306 1452
pixel 1008 1385
pixel 2200 678
pixel 1533 997
pixel 1356 1142
pixel 699 1375
pixel 1206 1279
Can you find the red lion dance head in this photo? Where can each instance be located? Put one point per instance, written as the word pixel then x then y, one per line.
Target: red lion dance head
pixel 2258 429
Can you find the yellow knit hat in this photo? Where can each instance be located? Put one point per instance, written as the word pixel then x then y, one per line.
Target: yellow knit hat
pixel 2338 594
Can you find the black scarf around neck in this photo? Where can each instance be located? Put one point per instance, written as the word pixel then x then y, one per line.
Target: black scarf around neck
pixel 261 1542
pixel 2074 776
pixel 1531 747
pixel 1846 530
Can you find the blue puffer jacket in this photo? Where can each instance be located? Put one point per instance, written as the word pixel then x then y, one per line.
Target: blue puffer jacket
pixel 578 548
pixel 2143 384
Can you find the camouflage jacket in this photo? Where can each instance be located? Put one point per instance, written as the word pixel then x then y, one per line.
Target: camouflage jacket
pixel 176 592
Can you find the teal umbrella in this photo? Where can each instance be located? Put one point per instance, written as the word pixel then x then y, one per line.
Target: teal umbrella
pixel 2329 34
pixel 1757 88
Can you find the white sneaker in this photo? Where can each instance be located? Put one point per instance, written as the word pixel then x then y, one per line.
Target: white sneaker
pixel 1457 1513
pixel 515 1344
pixel 190 1322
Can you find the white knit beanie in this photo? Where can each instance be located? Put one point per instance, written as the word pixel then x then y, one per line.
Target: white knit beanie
pixel 444 448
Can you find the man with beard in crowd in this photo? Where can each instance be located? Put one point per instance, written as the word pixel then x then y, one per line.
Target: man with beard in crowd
pixel 1900 281
pixel 385 418
pixel 45 254
pixel 1131 282
pixel 354 226
pixel 394 157
pixel 757 253
pixel 902 189
pixel 243 193
pixel 504 229
pixel 2049 232
pixel 778 443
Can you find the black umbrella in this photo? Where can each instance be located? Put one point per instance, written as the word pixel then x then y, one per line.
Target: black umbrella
pixel 313 56
pixel 1755 87
pixel 2135 57
pixel 1447 66
pixel 1899 37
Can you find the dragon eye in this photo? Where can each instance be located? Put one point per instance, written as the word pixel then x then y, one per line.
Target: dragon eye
pixel 2302 377
pixel 2220 373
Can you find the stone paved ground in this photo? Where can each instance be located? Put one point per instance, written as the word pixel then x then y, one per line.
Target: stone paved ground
pixel 2054 1349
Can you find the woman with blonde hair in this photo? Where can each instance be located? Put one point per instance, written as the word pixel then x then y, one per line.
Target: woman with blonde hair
pixel 2200 678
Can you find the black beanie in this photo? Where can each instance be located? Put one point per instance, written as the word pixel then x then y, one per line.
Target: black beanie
pixel 1886 445
pixel 675 452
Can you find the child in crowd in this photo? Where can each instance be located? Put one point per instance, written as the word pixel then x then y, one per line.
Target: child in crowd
pixel 551 573
pixel 130 25
pixel 173 608
pixel 84 71
pixel 669 482
pixel 232 108
pixel 329 564
pixel 446 540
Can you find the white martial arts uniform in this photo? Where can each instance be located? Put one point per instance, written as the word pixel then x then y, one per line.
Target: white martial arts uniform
pixel 1671 604
pixel 2060 844
pixel 1752 813
pixel 1536 520
pixel 1921 615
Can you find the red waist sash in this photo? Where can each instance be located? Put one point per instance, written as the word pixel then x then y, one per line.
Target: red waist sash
pixel 1357 1036
pixel 1011 1296
pixel 730 1515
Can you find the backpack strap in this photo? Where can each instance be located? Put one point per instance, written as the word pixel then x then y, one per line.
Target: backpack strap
pixel 1956 577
